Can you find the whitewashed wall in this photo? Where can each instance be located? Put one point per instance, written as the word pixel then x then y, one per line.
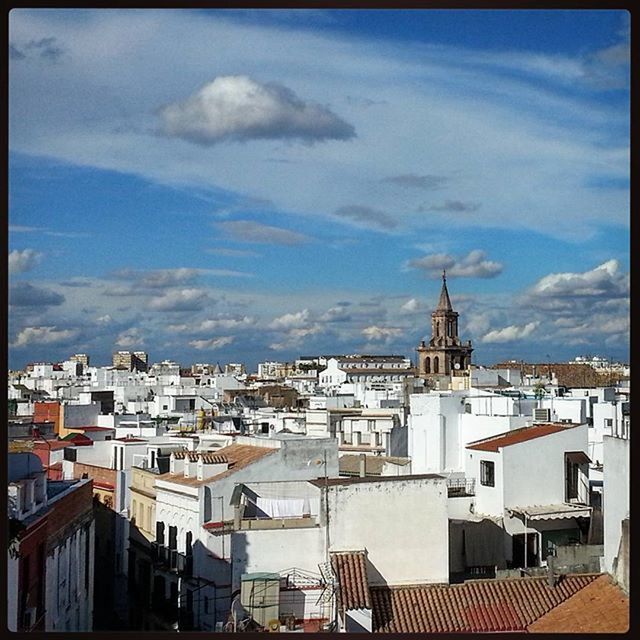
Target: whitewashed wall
pixel 615 495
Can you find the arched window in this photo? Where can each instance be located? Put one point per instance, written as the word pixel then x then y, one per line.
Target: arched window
pixel 436 365
pixel 427 365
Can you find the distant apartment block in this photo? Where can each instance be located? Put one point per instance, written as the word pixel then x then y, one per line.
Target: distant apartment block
pixel 132 361
pixel 82 358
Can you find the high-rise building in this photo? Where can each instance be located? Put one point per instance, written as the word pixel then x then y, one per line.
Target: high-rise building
pixel 136 361
pixel 445 353
pixel 82 358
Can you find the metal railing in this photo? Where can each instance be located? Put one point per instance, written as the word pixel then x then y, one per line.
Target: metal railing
pixel 461 487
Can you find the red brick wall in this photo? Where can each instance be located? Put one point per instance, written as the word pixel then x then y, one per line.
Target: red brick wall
pixel 71 506
pixel 31 574
pixel 47 412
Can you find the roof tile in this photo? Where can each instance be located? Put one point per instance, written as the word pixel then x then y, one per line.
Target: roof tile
pixel 351 569
pixel 475 606
pixel 519 435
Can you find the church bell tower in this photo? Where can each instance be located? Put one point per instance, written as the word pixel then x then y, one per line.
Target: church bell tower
pixel 445 352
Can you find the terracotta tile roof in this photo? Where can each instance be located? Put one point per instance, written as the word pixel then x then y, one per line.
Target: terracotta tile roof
pixel 238 456
pixel 207 458
pixel 76 440
pixel 601 607
pixel 90 428
pixel 353 585
pixel 475 606
pixel 519 435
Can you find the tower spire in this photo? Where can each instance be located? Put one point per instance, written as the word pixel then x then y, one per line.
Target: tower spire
pixel 444 304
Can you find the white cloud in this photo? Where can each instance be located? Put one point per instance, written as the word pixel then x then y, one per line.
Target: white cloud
pixel 410 305
pixel 104 320
pixel 130 338
pixel 603 281
pixel 213 343
pixel 290 321
pixel 376 334
pixel 21 261
pixel 240 108
pixel 44 335
pixel 473 265
pixel 180 300
pixel 511 333
pixel 215 324
pixel 498 107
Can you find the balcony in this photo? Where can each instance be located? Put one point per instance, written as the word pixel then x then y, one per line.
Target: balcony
pixel 461 487
pixel 171 560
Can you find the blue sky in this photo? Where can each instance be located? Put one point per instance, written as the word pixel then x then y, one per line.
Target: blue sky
pixel 255 185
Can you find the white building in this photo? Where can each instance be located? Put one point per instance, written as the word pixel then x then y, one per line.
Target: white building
pixel 616 496
pixel 291 528
pixel 193 499
pixel 442 423
pixel 535 480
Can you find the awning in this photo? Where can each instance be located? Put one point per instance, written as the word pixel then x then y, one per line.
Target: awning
pixel 579 457
pixel 552 511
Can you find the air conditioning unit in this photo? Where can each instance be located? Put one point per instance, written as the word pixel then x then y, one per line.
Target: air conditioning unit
pixel 542 415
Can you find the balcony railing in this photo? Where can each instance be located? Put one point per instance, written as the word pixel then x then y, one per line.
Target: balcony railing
pixel 171 559
pixel 461 487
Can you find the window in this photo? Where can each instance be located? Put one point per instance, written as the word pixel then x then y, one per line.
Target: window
pixel 436 365
pixel 160 532
pixel 487 473
pixel 571 479
pixel 608 422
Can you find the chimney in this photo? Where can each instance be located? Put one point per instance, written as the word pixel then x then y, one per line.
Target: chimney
pixel 363 465
pixel 551 579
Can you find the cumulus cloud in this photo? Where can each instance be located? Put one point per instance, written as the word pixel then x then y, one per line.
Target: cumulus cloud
pixel 44 335
pixel 180 300
pixel 420 182
pixel 130 338
pixel 213 343
pixel 250 231
pixel 290 321
pixel 240 108
pixel 27 295
pixel 376 334
pixel 104 320
pixel 605 281
pixel 338 313
pixel 21 261
pixel 368 216
pixel 511 333
pixel 473 265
